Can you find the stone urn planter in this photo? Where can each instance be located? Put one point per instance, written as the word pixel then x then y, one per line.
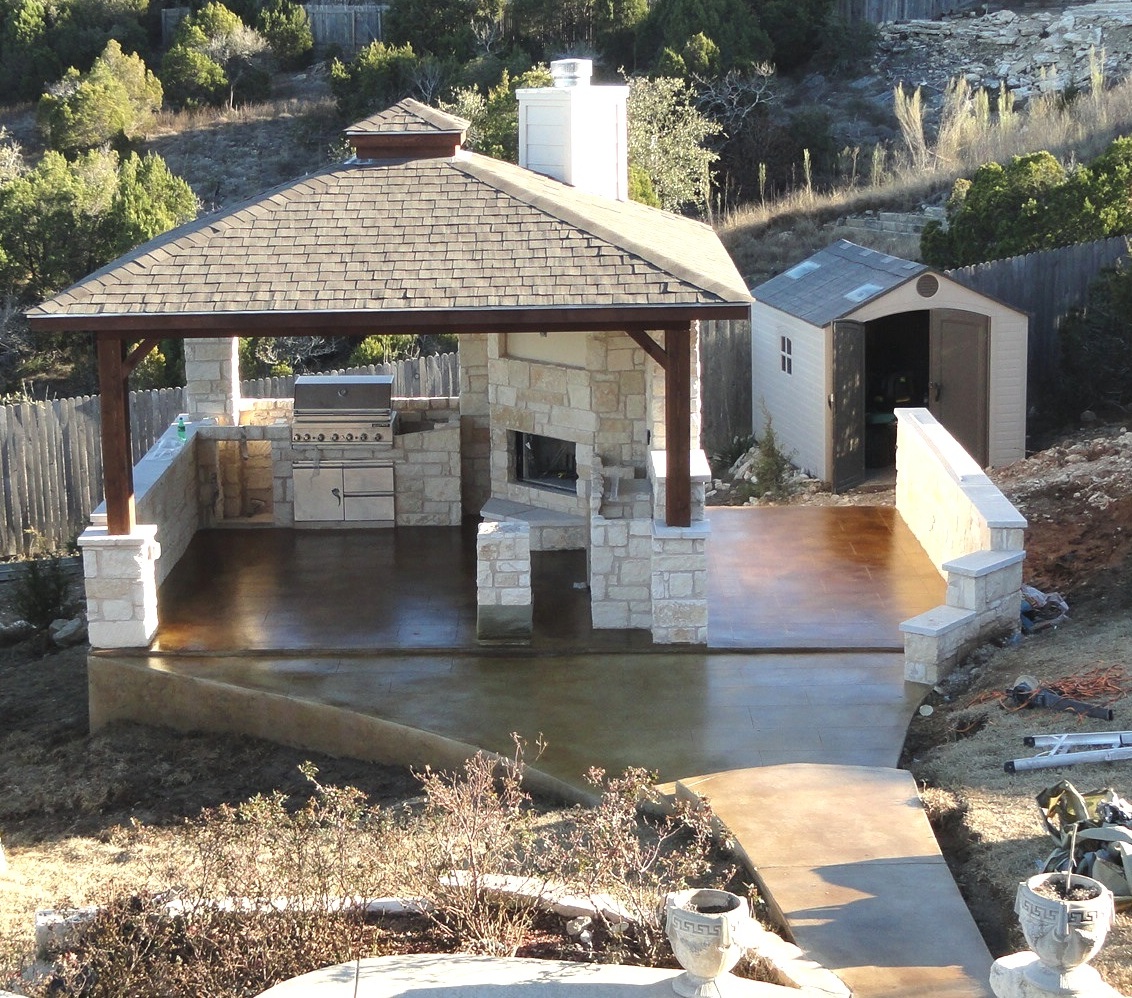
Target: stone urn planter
pixel 1065 933
pixel 709 930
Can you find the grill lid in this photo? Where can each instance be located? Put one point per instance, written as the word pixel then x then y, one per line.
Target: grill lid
pixel 343 392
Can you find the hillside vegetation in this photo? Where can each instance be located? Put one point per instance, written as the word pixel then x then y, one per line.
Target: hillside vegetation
pixel 774 120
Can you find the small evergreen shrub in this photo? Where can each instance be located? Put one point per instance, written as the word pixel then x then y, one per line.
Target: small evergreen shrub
pixel 42 591
pixel 772 466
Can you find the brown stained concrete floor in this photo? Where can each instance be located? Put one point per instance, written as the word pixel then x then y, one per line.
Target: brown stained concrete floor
pixel 816 578
pixel 798 706
pixel 382 622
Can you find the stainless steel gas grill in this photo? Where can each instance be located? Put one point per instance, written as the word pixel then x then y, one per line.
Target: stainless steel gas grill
pixel 344 409
pixel 342 443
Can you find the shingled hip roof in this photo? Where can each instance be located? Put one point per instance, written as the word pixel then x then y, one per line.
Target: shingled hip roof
pixel 396 242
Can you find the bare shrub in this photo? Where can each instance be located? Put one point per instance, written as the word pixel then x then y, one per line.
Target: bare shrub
pixel 266 890
pixel 477 826
pixel 611 850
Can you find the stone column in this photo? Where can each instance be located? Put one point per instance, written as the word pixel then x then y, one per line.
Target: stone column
pixel 212 379
pixel 120 573
pixel 475 424
pixel 679 584
pixel 503 577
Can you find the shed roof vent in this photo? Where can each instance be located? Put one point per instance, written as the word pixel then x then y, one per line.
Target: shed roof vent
pixel 927 285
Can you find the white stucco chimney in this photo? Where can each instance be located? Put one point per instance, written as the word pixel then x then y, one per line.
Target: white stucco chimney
pixel 576 133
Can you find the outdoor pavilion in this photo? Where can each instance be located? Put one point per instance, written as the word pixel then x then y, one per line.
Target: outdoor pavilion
pixel 411 235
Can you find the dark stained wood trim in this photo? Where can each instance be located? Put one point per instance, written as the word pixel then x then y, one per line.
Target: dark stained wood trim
pixel 650 346
pixel 678 426
pixel 117 465
pixel 139 353
pixel 413 145
pixel 365 322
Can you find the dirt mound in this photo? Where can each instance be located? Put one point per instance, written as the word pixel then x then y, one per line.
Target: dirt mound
pixel 1077 498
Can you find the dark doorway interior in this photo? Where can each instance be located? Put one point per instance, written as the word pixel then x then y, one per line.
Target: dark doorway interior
pixel 896 375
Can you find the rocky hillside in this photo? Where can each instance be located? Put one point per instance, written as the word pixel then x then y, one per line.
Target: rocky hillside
pixel 1031 52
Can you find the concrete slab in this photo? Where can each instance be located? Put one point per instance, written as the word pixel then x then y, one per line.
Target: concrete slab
pixel 849 858
pixel 455 976
pixel 675 714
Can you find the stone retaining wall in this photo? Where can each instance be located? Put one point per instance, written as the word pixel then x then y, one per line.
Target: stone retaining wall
pixel 972 533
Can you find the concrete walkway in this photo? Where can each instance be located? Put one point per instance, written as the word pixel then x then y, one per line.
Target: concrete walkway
pixel 359 644
pixel 451 976
pixel 849 860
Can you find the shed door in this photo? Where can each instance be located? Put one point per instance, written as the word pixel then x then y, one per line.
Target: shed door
pixel 958 393
pixel 847 402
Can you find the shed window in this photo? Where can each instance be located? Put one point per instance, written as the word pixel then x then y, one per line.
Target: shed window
pixel 786 349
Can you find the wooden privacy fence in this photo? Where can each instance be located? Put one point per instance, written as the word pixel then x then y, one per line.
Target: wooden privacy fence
pixel 435 376
pixel 725 382
pixel 51 455
pixel 348 26
pixel 879 11
pixel 1047 284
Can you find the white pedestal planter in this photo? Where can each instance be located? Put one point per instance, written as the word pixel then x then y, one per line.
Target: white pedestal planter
pixel 709 932
pixel 1064 936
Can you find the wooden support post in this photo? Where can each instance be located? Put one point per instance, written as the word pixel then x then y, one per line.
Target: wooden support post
pixel 678 425
pixel 117 461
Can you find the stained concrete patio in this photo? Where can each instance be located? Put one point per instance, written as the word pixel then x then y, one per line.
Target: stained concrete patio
pixel 813 578
pixel 363 643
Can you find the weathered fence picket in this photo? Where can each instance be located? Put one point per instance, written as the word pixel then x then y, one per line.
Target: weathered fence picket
pixel 725 382
pixel 434 376
pixel 880 11
pixel 51 457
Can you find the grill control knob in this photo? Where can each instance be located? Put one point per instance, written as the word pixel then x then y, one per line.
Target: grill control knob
pixel 349 436
pixel 364 436
pixel 321 436
pixel 333 436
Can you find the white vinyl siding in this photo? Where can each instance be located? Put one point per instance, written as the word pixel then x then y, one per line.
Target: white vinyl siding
pixel 796 400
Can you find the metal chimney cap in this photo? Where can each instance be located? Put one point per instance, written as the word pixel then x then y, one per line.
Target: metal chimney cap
pixel 572 72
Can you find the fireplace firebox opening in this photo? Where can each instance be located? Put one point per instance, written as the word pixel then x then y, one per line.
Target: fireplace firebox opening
pixel 545 463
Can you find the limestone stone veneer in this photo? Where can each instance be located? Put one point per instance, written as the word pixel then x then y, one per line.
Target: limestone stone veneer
pixel 973 535
pixel 503 582
pixel 120 572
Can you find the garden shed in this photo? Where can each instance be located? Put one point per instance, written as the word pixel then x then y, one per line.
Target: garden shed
pixel 843 338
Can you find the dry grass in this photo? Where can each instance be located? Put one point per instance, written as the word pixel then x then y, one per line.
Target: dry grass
pixel 764 237
pixel 227 155
pixel 998 812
